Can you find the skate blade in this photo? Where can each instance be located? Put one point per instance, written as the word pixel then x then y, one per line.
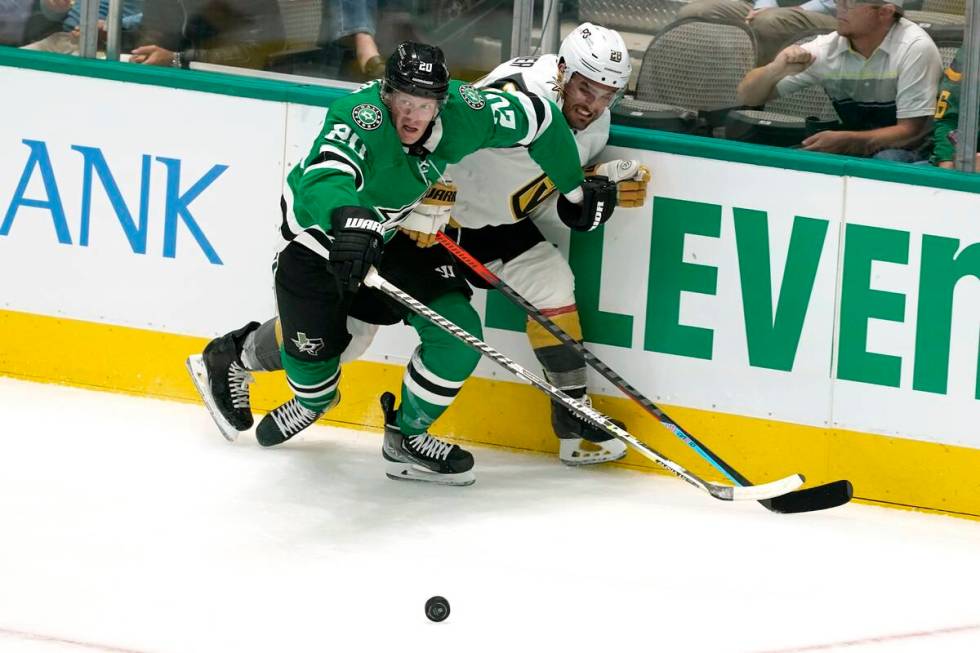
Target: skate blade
pixel 199 375
pixel 408 472
pixel 582 452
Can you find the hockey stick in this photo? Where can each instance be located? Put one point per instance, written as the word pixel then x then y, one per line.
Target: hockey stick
pixel 723 492
pixel 821 497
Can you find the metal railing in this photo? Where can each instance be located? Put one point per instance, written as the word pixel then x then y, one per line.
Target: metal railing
pixel 966 146
pixel 88 23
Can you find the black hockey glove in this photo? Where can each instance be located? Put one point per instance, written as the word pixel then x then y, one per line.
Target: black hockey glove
pixel 598 202
pixel 356 246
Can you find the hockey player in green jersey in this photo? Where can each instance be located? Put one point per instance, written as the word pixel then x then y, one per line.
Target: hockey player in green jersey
pixel 379 151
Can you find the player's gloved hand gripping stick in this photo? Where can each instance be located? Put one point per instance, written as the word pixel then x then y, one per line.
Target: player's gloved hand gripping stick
pixel 431 215
pixel 820 497
pixel 723 492
pixel 357 246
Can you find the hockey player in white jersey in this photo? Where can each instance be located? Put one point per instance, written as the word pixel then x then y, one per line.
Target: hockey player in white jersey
pixel 502 192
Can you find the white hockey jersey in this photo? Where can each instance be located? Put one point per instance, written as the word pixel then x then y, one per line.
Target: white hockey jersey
pixel 501 186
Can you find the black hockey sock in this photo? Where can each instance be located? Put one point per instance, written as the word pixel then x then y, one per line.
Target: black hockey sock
pixel 564 368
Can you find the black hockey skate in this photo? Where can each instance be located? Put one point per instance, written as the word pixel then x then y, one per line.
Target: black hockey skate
pixel 580 442
pixel 422 457
pixel 222 381
pixel 284 422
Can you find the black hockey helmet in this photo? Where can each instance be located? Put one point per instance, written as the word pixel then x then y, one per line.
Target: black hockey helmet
pixel 417 69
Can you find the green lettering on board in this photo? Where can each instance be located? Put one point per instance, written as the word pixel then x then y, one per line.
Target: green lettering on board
pixel 940 271
pixel 859 303
pixel 603 327
pixel 503 313
pixel 773 340
pixel 585 258
pixel 669 275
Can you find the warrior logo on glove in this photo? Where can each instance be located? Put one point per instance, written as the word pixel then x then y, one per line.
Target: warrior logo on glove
pixel 431 215
pixel 356 246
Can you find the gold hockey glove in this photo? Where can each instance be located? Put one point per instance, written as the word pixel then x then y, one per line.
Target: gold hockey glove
pixel 631 178
pixel 431 215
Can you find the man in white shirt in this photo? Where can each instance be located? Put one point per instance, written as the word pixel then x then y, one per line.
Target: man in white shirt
pixel 880 70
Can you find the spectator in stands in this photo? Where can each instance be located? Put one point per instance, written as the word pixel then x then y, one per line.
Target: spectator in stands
pixel 66 40
pixel 944 132
pixel 24 21
pixel 773 25
pixel 14 15
pixel 880 70
pixel 352 23
pixel 230 32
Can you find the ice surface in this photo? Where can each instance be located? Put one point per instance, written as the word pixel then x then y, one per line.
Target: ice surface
pixel 130 524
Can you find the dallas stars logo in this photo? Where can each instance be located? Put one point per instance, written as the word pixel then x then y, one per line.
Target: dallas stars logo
pixel 367 116
pixel 391 216
pixel 472 97
pixel 311 346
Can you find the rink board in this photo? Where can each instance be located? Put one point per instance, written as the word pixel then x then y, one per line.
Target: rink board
pixel 797 313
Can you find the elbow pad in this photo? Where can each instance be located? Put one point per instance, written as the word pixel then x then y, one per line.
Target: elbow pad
pixel 597 205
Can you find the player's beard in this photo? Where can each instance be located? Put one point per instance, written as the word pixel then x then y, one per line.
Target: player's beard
pixel 575 119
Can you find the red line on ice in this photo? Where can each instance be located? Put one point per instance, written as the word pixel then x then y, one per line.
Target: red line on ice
pixel 876 640
pixel 48 638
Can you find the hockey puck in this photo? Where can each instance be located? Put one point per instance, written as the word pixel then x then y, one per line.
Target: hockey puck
pixel 437 608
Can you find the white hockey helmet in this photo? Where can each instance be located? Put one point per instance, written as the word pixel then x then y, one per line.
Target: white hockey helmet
pixel 597 53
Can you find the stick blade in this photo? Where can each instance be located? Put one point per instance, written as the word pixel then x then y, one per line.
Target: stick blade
pixel 755 492
pixel 821 497
pixel 771 490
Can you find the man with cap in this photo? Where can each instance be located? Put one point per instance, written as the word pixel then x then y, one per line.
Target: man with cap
pixel 881 72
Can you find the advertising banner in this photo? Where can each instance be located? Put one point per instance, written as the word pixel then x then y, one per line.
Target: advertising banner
pixel 792 296
pixel 153 207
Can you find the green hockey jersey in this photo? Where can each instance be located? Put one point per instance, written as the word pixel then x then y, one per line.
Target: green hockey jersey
pixel 358 159
pixel 945 129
